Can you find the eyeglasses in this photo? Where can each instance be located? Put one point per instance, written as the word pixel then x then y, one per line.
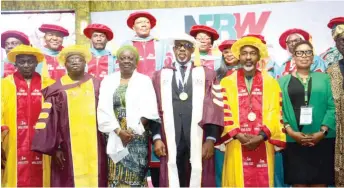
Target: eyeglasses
pixel 308 53
pixel 185 45
pixel 289 42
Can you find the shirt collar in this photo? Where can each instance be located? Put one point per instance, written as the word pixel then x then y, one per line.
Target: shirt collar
pixel 177 65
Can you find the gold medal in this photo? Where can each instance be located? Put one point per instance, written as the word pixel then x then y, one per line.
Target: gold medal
pixel 251 116
pixel 183 96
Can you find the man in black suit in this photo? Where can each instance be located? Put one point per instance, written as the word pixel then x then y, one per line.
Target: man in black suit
pixel 189 105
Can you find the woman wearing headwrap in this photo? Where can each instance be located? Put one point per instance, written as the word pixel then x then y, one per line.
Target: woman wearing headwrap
pixel 127 104
pixel 332 55
pixel 336 73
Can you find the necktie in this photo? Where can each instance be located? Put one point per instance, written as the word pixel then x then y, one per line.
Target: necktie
pixel 182 72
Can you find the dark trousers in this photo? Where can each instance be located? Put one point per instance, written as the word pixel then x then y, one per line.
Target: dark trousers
pixel 155 175
pixel 183 163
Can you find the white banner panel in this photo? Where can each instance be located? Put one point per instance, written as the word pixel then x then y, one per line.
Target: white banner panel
pixel 232 22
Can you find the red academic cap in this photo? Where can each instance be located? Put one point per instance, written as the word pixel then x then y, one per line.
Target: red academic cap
pixel 335 21
pixel 50 27
pixel 88 31
pixel 226 44
pixel 16 34
pixel 203 28
pixel 260 37
pixel 133 16
pixel 285 35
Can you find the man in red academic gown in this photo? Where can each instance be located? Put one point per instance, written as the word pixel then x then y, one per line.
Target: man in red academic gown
pixel 152 53
pixel 102 62
pixel 53 38
pixel 287 40
pixel 151 50
pixel 9 40
pixel 205 35
pixel 189 106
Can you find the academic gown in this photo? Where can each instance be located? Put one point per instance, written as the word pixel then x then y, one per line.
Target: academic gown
pixel 21 105
pixel 101 64
pixel 68 122
pixel 206 111
pixel 241 166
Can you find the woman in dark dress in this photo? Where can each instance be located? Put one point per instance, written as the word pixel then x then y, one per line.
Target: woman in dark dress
pixel 309 120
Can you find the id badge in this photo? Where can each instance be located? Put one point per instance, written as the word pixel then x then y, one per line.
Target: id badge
pixel 306 115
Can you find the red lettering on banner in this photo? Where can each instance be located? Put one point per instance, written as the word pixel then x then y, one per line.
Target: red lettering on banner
pixel 250 23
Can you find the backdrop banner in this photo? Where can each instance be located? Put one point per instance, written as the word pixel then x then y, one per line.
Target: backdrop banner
pixel 232 22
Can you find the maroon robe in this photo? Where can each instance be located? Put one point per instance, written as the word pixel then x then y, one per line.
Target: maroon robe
pixel 212 114
pixel 57 134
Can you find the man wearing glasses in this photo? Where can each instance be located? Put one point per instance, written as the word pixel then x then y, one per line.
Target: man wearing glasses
pixel 210 57
pixel 287 40
pixel 189 106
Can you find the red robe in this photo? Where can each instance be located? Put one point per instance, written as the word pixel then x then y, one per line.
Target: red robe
pixel 21 106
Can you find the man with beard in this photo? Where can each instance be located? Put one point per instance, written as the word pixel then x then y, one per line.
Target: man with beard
pixel 189 104
pixel 205 35
pixel 102 62
pixel 9 40
pixel 67 127
pixel 252 118
pixel 287 40
pixel 151 50
pixel 21 102
pixel 53 38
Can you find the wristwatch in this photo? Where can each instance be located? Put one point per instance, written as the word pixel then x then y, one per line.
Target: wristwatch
pixel 325 132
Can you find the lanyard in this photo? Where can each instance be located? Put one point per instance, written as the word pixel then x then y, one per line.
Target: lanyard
pixel 305 85
pixel 186 77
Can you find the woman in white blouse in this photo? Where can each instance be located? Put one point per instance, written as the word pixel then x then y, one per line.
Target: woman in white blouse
pixel 127 106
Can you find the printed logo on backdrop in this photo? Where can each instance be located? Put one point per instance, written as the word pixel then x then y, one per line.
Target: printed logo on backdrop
pixel 230 26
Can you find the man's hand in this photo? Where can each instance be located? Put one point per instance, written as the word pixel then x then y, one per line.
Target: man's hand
pixel 126 136
pixel 254 141
pixel 208 149
pixel 3 158
pixel 159 148
pixel 59 159
pixel 242 138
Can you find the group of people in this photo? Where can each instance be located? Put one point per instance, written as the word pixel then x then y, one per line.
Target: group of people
pixel 179 110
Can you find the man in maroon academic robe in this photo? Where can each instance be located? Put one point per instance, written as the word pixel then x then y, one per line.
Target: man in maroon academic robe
pixel 67 128
pixel 9 40
pixel 189 106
